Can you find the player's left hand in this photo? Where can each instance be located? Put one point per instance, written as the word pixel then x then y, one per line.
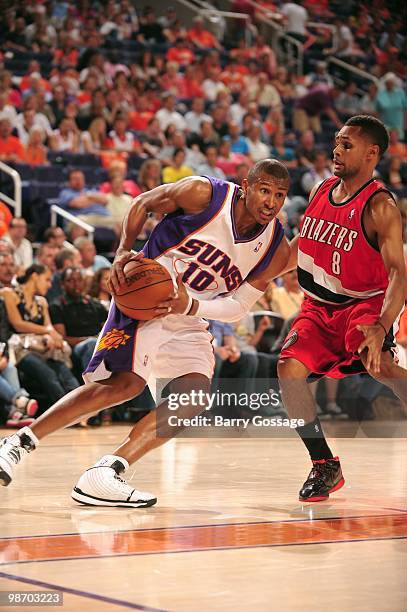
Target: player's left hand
pixel 373 342
pixel 177 304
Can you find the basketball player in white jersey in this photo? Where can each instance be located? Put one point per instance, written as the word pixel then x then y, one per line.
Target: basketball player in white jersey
pixel 222 244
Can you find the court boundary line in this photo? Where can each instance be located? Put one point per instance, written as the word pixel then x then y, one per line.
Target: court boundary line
pixel 79 593
pixel 214 549
pixel 218 525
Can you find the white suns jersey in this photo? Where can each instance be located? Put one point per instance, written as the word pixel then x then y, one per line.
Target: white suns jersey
pixel 207 249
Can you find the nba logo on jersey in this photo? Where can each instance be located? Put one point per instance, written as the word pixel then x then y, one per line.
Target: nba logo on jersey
pixel 258 247
pixel 351 214
pixel 145 360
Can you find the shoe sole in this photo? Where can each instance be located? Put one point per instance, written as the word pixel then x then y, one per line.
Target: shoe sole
pixel 81 498
pixel 324 497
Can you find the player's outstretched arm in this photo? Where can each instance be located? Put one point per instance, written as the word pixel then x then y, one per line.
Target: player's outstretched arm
pixel 385 218
pixel 191 194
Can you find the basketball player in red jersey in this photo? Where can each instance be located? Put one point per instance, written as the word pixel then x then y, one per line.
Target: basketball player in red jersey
pixel 351 268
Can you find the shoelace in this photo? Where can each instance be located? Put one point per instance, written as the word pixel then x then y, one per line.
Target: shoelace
pixel 121 484
pixel 15 453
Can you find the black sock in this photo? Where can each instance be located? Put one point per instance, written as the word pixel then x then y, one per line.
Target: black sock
pixel 313 437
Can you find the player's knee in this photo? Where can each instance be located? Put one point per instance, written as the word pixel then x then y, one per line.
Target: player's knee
pixel 290 368
pixel 128 386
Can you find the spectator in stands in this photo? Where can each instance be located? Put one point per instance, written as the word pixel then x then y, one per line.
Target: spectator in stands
pixel 317 173
pixel 201 38
pixel 308 109
pixel 287 299
pixel 121 138
pixel 395 175
pixel 321 75
pixel 65 258
pixel 347 103
pixel 167 114
pixel 36 151
pixel 55 236
pixel 196 115
pixel 152 139
pixel 77 317
pixel 88 205
pixel 18 404
pixel 150 30
pixel 27 312
pixel 368 101
pixel 205 137
pixel 238 143
pixel 118 170
pixel 94 138
pixel 91 261
pixel 7 111
pixel 397 148
pixel 391 104
pixel 149 175
pixel 228 161
pixel 7 268
pixel 16 38
pixel 208 168
pixel 99 288
pixel 66 137
pixel 264 93
pixel 342 40
pixel 306 150
pixel 282 152
pixel 46 256
pixel 213 84
pixel 258 150
pixel 58 104
pixel 11 147
pixel 193 157
pixel 295 18
pixel 177 170
pixel 22 249
pixel 118 201
pixel 232 368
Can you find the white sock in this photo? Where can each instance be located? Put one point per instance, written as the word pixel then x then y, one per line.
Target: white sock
pixel 107 460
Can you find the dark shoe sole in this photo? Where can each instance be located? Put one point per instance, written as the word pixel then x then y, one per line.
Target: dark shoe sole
pixel 87 500
pixel 324 497
pixel 4 478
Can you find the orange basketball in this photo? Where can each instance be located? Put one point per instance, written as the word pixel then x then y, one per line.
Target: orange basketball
pixel 147 284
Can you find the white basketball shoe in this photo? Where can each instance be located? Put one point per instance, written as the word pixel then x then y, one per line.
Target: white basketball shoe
pixel 101 485
pixel 12 450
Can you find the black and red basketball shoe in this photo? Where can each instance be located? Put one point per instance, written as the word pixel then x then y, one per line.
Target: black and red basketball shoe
pixel 324 478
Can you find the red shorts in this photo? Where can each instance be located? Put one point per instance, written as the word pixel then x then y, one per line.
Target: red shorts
pixel 325 339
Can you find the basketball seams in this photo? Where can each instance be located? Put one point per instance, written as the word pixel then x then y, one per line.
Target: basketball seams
pixel 166 280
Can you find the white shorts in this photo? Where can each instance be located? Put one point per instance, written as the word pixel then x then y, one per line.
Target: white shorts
pixel 163 348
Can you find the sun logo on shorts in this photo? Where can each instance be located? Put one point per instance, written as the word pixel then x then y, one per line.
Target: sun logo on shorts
pixel 112 340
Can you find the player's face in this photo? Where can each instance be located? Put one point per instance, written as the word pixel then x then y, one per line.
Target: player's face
pixel 351 151
pixel 265 197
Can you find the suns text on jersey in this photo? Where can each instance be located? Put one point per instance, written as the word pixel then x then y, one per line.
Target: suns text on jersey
pixel 328 232
pixel 219 262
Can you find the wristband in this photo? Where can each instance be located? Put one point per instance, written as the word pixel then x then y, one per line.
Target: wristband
pixel 189 305
pixel 381 325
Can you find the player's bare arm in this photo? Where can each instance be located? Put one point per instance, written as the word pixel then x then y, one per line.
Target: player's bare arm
pixel 383 225
pixel 191 194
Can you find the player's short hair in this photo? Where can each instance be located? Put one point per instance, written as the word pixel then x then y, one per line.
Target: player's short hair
pixel 373 129
pixel 272 167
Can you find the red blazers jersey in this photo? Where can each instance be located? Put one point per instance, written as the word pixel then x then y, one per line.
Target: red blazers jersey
pixel 336 262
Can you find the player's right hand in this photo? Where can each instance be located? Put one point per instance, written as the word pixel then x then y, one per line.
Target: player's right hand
pixel 117 278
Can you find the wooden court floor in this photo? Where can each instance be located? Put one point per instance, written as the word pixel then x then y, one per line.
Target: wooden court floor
pixel 228 532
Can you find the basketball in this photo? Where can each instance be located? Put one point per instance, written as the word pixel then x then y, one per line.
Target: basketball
pixel 148 284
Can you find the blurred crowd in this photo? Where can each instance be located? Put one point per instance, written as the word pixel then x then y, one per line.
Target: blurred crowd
pixel 101 101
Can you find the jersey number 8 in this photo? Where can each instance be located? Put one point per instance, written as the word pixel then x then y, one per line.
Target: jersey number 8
pixel 336 262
